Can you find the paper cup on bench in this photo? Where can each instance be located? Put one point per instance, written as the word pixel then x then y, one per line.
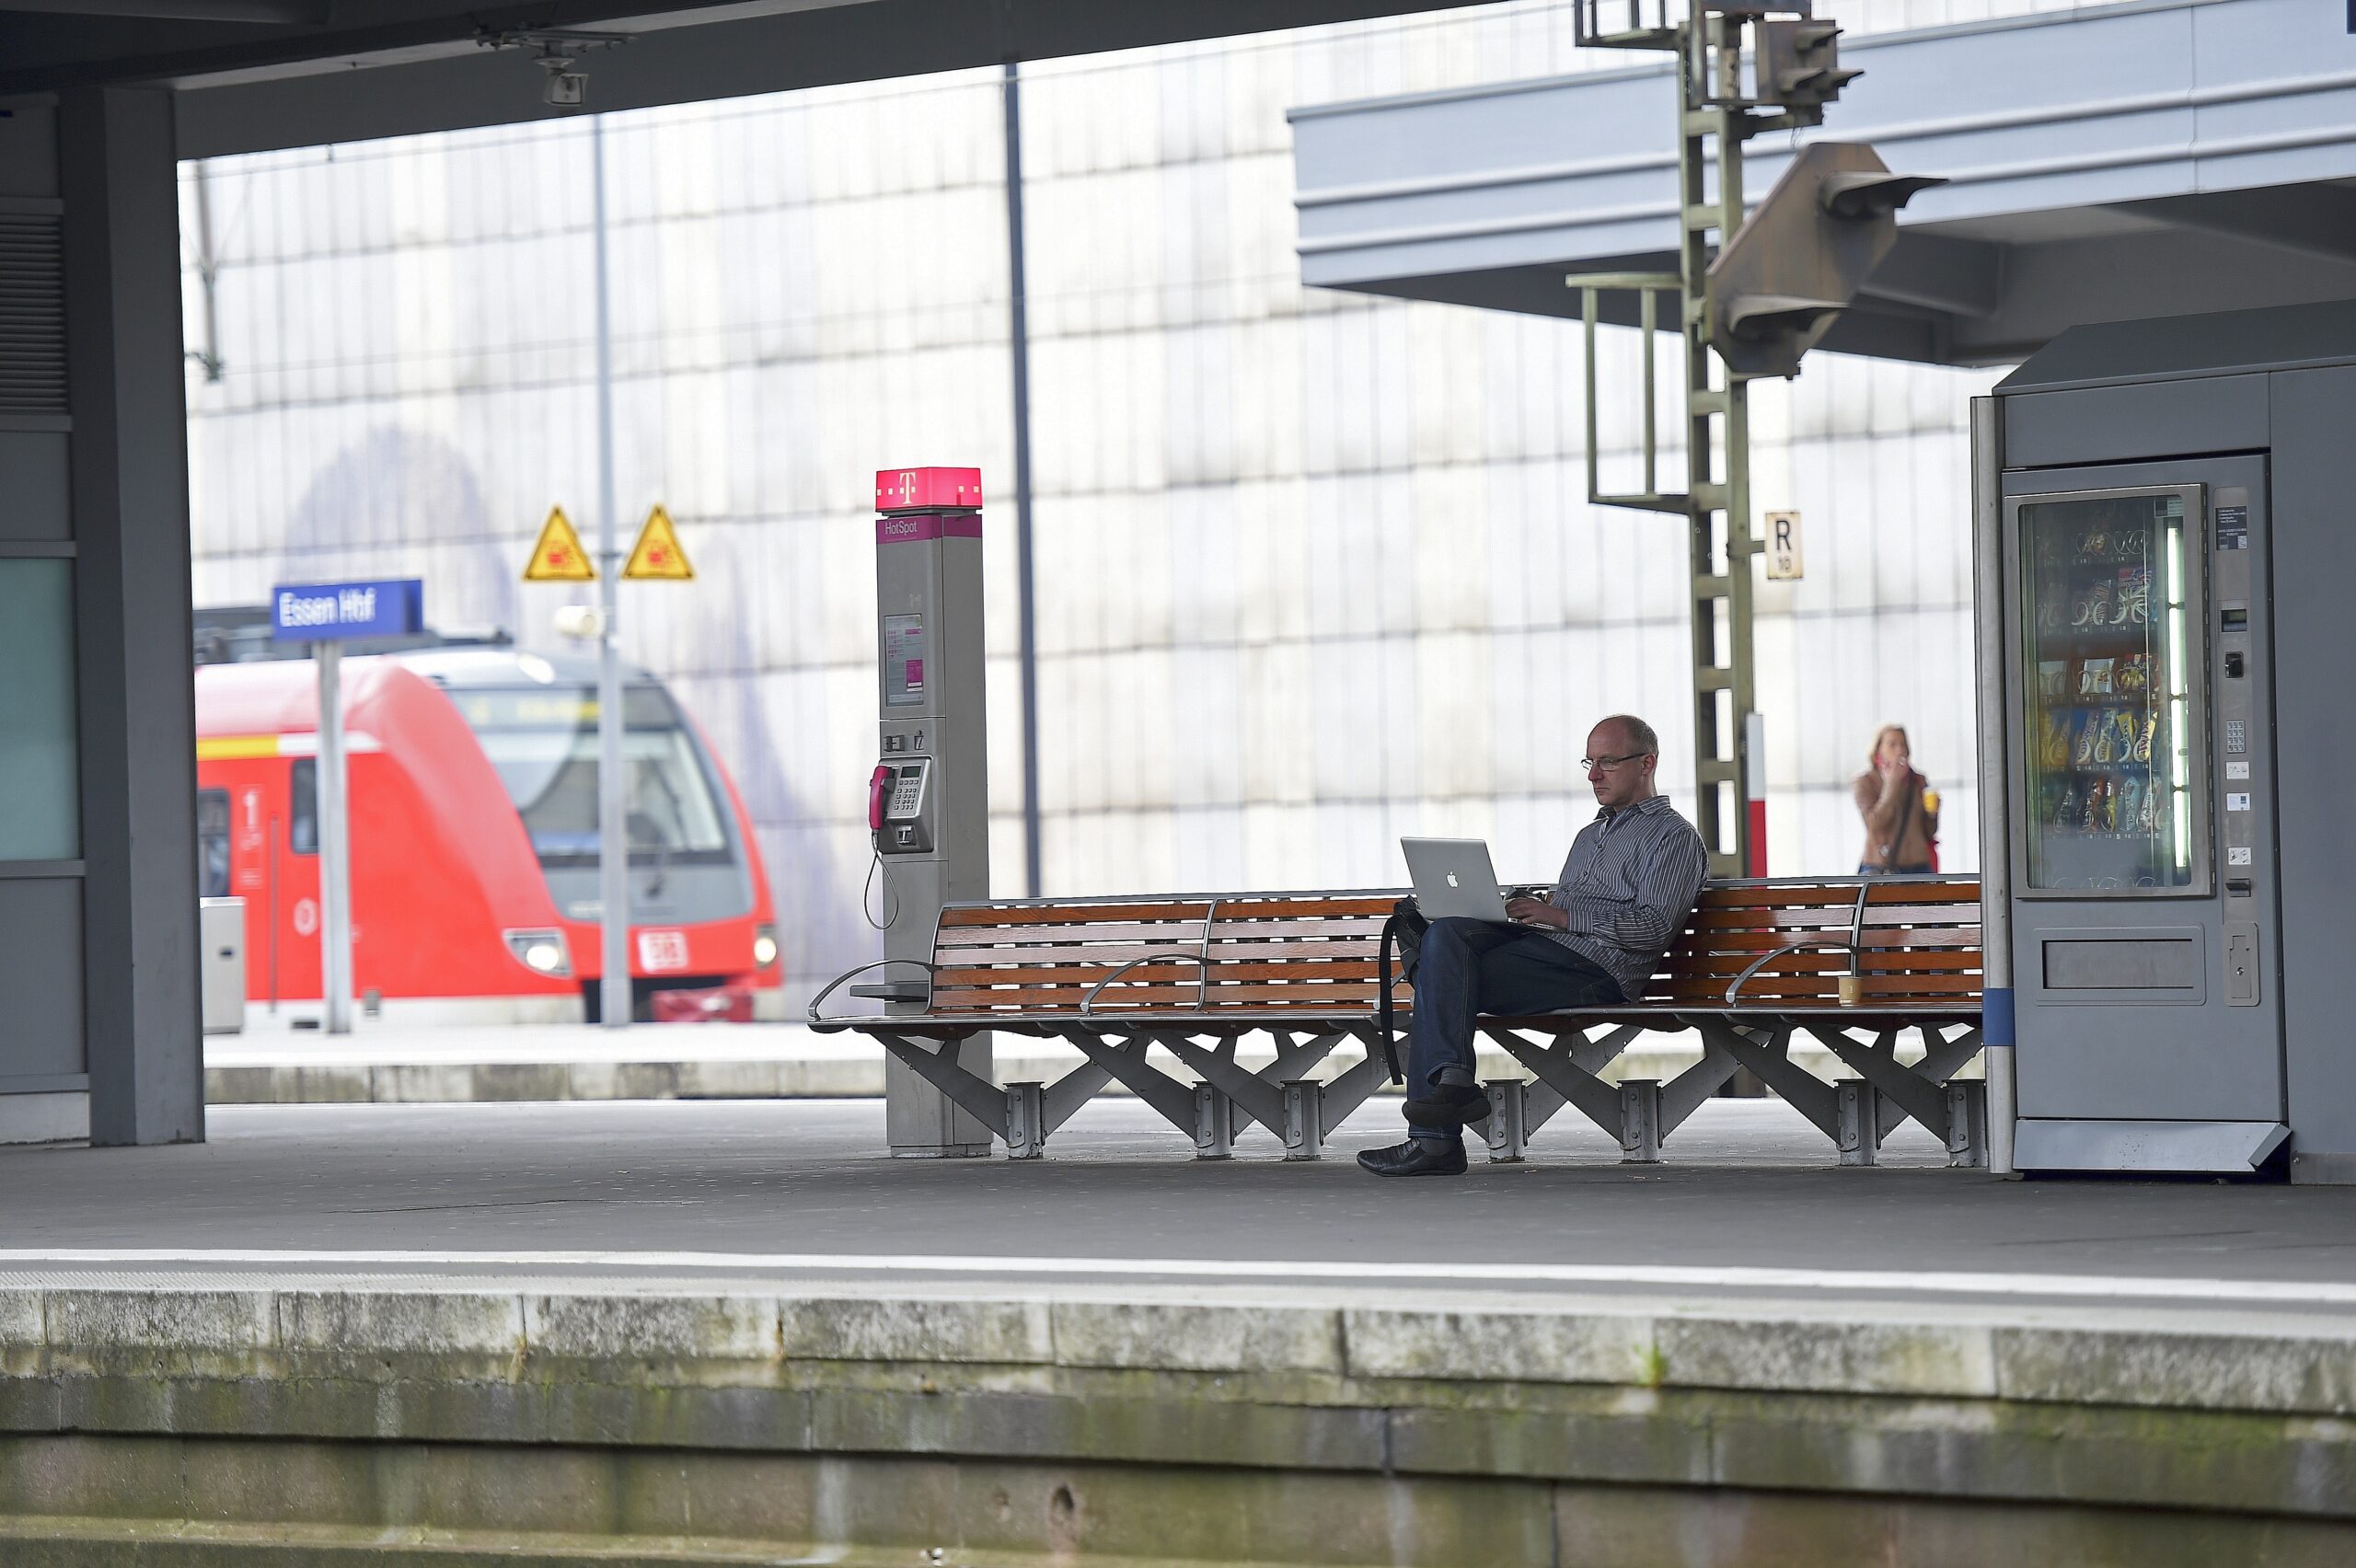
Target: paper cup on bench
pixel 1852 988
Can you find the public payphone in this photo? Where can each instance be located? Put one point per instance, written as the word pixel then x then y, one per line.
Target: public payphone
pixel 928 803
pixel 2168 889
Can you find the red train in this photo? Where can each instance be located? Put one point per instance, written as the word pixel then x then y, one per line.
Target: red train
pixel 474 833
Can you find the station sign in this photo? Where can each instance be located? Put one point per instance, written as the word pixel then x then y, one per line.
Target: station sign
pixel 339 612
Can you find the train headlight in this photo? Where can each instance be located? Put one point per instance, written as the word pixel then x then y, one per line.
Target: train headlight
pixel 764 946
pixel 542 952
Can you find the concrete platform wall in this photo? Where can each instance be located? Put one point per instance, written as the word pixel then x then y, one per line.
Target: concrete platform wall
pixel 464 1424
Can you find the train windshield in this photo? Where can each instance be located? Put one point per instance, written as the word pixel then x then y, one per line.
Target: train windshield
pixel 543 740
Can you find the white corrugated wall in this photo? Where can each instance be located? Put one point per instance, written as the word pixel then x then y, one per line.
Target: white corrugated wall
pixel 1313 570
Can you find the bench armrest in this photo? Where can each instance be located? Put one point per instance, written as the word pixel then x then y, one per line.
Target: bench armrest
pixel 1764 959
pixel 929 970
pixel 1202 993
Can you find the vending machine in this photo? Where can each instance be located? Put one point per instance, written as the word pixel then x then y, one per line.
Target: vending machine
pixel 2166 643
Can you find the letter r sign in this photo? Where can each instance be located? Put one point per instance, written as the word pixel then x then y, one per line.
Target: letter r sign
pixel 1782 546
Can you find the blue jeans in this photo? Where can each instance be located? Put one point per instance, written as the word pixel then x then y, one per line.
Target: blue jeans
pixel 1465 968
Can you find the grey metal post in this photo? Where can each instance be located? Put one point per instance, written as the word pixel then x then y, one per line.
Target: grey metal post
pixel 128 489
pixel 1995 809
pixel 613 847
pixel 1026 648
pixel 933 721
pixel 335 843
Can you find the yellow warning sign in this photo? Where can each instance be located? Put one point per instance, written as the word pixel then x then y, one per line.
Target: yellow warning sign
pixel 558 557
pixel 657 552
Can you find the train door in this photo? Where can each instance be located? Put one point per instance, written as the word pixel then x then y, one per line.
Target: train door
pixel 253 811
pixel 296 884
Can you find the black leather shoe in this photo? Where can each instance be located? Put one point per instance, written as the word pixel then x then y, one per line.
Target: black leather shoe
pixel 1415 1158
pixel 1451 1105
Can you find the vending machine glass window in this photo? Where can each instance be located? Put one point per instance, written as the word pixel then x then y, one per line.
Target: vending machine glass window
pixel 2111 648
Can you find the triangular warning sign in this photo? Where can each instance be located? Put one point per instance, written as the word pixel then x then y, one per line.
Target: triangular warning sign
pixel 558 557
pixel 657 552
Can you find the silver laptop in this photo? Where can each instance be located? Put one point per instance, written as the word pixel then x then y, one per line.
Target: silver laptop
pixel 1453 878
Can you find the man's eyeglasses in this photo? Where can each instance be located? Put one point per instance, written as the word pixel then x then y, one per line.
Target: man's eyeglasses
pixel 1605 764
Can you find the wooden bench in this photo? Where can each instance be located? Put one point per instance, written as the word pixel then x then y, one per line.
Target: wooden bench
pixel 1757 964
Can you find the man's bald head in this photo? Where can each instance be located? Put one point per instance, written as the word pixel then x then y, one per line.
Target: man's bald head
pixel 1622 752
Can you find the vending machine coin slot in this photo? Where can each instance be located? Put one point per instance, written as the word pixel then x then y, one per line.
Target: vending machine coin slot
pixel 2241 963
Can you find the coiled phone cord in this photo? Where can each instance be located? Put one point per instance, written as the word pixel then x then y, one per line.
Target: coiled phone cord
pixel 867 895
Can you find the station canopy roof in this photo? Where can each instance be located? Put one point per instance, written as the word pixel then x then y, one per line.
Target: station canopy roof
pixel 2154 159
pixel 257 74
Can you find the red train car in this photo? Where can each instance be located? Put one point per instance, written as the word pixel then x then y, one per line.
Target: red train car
pixel 474 833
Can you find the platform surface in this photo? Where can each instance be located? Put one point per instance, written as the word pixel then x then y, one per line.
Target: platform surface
pixel 754 1194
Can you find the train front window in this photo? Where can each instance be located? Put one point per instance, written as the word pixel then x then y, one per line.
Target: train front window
pixel 212 843
pixel 543 740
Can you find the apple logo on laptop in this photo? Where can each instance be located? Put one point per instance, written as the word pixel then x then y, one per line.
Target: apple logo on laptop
pixel 1451 879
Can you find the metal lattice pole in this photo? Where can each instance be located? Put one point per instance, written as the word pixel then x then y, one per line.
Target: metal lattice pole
pixel 1717 497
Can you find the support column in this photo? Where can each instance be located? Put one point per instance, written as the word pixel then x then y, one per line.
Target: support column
pixel 135 700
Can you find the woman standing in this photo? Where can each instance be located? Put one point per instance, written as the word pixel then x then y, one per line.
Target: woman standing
pixel 1899 808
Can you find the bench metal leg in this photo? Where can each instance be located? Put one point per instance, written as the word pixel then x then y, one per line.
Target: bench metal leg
pixel 1567 1081
pixel 939 1065
pixel 1640 1122
pixel 1769 1061
pixel 1691 1089
pixel 1123 1058
pixel 1214 1123
pixel 1858 1104
pixel 1518 1108
pixel 1509 1125
pixel 1968 1126
pixel 1026 1121
pixel 1304 1119
pixel 1352 1088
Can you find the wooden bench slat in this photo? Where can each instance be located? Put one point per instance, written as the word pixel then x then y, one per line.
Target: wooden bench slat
pixel 1760 917
pixel 1888 962
pixel 1180 973
pixel 1258 906
pixel 959 917
pixel 1179 932
pixel 1770 983
pixel 1129 931
pixel 1353 1008
pixel 1112 957
pixel 1874 937
pixel 1787 896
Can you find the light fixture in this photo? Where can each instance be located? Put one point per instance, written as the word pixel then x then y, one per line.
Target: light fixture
pixel 541 951
pixel 582 623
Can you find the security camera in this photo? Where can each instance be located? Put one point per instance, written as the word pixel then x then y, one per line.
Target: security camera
pixel 565 86
pixel 559 51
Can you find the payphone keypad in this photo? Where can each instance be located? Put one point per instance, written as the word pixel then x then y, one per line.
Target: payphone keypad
pixel 907 792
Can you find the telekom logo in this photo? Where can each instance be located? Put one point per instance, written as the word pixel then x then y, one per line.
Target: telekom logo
pixel 908 484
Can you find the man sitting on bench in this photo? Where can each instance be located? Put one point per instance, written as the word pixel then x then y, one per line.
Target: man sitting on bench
pixel 1625 891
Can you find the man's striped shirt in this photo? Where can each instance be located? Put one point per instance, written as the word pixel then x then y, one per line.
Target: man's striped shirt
pixel 1628 885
